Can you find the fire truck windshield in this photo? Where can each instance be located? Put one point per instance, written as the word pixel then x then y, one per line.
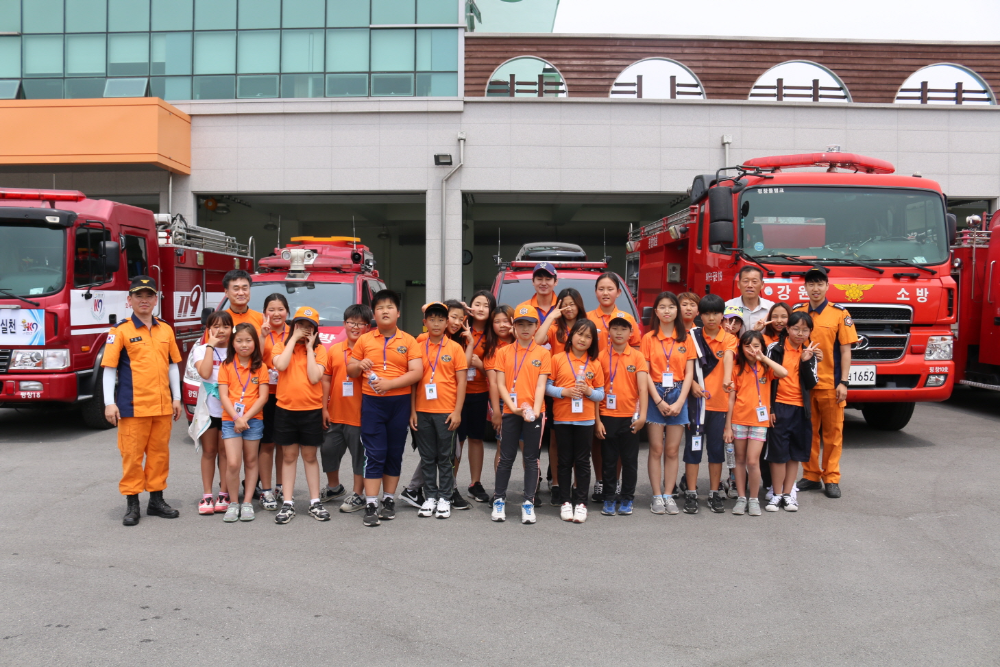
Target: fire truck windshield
pixel 514 291
pixel 330 299
pixel 32 259
pixel 843 223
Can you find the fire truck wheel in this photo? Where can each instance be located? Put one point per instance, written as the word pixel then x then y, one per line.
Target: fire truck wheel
pixel 93 410
pixel 887 416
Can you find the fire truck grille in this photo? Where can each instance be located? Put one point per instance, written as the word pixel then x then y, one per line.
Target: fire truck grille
pixel 4 360
pixel 883 331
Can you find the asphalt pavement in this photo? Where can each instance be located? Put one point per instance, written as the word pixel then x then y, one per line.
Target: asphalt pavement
pixel 902 570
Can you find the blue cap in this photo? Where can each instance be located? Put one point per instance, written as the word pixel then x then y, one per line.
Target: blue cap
pixel 546 267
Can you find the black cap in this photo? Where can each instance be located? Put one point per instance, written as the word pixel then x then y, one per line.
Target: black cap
pixel 620 320
pixel 816 276
pixel 140 283
pixel 436 307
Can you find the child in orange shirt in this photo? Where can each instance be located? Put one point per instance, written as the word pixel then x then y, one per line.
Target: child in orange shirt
pixel 208 359
pixel 689 309
pixel 273 331
pixel 774 323
pixel 749 416
pixel 499 334
pixel 243 389
pixel 477 391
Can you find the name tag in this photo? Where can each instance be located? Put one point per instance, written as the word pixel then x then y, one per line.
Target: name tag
pixel 347 389
pixel 577 405
pixel 668 381
pixel 513 397
pixel 762 414
pixel 471 374
pixel 272 376
pixel 696 443
pixel 239 408
pixel 430 392
pixel 612 402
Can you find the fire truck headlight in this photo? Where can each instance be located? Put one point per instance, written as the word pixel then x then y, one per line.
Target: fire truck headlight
pixel 939 348
pixel 55 360
pixel 26 360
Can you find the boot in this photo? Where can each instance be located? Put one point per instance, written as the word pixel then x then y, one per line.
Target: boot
pixel 158 507
pixel 132 512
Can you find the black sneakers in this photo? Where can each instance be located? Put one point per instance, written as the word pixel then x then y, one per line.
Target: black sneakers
pixel 318 512
pixel 458 502
pixel 388 509
pixel 808 485
pixel 371 515
pixel 415 498
pixel 285 514
pixel 832 490
pixel 132 511
pixel 478 493
pixel 715 502
pixel 158 506
pixel 691 502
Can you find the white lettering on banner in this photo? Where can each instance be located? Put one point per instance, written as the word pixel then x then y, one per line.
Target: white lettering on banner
pixel 326 338
pixel 803 294
pixel 922 293
pixel 784 291
pixel 902 295
pixel 25 326
pixel 186 305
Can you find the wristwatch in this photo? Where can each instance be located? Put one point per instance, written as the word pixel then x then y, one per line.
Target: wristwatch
pixel 844 382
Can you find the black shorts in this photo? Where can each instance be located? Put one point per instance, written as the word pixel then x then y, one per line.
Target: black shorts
pixel 215 422
pixel 298 427
pixel 711 439
pixel 474 416
pixel 268 414
pixel 791 437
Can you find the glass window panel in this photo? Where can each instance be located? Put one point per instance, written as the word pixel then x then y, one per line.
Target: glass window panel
pixel 392 85
pixel 128 15
pixel 258 52
pixel 392 51
pixel 346 85
pixel 172 15
pixel 43 56
pixel 302 85
pixel 215 15
pixel 10 89
pixel 438 84
pixel 126 87
pixel 10 57
pixel 302 51
pixel 214 87
pixel 393 12
pixel 437 50
pixel 85 55
pixel 171 53
pixel 10 15
pixel 256 86
pixel 43 89
pixel 86 16
pixel 303 13
pixel 260 14
pixel 84 88
pixel 214 53
pixel 437 11
pixel 170 87
pixel 128 55
pixel 348 14
pixel 43 16
pixel 347 51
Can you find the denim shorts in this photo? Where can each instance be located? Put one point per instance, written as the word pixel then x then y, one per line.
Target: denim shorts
pixel 255 430
pixel 653 415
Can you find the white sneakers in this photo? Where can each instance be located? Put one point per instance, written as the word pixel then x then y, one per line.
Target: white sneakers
pixel 580 513
pixel 427 509
pixel 566 512
pixel 443 509
pixel 576 514
pixel 528 513
pixel 498 514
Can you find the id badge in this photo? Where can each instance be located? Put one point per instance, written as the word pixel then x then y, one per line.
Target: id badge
pixel 612 402
pixel 762 414
pixel 239 408
pixel 471 375
pixel 577 405
pixel 513 397
pixel 696 443
pixel 431 392
pixel 272 376
pixel 668 381
pixel 347 389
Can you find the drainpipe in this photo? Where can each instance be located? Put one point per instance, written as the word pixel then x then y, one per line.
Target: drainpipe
pixel 727 139
pixel 170 193
pixel 444 204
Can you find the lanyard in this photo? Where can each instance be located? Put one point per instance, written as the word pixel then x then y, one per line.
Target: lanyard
pixel 271 335
pixel 517 368
pixel 756 384
pixel 236 367
pixel 614 368
pixel 475 345
pixel 385 345
pixel 215 353
pixel 583 366
pixel 665 353
pixel 427 353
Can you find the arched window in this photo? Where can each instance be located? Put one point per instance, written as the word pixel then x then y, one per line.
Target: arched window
pixel 799 80
pixel 658 78
pixel 526 76
pixel 945 83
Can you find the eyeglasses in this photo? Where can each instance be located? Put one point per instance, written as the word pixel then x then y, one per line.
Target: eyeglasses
pixel 356 325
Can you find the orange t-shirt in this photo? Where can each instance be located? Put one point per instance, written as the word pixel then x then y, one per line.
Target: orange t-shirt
pixel 235 377
pixel 251 316
pixel 343 409
pixel 521 367
pixel 603 321
pixel 555 347
pixel 295 392
pixel 268 344
pixel 479 384
pixel 490 363
pixel 748 398
pixel 563 370
pixel 665 354
pixel 442 364
pixel 391 358
pixel 625 368
pixel 718 399
pixel 531 307
pixel 789 390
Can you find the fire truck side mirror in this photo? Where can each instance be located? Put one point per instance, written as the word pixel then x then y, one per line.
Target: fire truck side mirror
pixel 721 233
pixel 205 314
pixel 952 220
pixel 720 204
pixel 647 315
pixel 112 255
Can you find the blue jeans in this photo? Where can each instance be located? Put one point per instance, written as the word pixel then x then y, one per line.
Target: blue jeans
pixel 653 415
pixel 255 430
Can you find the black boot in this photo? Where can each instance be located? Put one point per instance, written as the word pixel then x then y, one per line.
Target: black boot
pixel 158 507
pixel 132 512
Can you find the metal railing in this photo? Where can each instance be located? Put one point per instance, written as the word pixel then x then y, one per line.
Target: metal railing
pixel 815 92
pixel 973 238
pixel 203 238
pixel 663 224
pixel 635 89
pixel 958 95
pixel 539 88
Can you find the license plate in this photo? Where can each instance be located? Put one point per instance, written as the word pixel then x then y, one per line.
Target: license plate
pixel 862 376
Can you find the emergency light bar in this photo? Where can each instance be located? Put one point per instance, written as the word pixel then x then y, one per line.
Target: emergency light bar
pixel 560 265
pixel 42 195
pixel 869 165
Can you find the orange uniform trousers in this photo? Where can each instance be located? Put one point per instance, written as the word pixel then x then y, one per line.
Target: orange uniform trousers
pixel 828 432
pixel 139 438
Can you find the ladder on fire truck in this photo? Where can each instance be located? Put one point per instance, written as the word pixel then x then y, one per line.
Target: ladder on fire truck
pixel 177 232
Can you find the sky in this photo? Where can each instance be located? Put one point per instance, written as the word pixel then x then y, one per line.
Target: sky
pixel 921 20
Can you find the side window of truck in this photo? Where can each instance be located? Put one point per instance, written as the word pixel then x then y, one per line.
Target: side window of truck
pixel 135 256
pixel 87 257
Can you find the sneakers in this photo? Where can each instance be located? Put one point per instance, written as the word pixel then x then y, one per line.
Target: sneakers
pixel 579 513
pixel 388 511
pixel 318 512
pixel 598 492
pixel 278 495
pixel 353 503
pixel 232 513
pixel 457 502
pixel 625 508
pixel 754 507
pixel 657 506
pixel 246 512
pixel 773 503
pixel 832 490
pixel 415 498
pixel 566 512
pixel 206 506
pixel 498 513
pixel 671 505
pixel 808 485
pixel 790 503
pixel 478 493
pixel 268 501
pixel 609 508
pixel 222 504
pixel 528 512
pixel 555 497
pixel 715 502
pixel 740 507
pixel 691 502
pixel 327 494
pixel 371 515
pixel 427 509
pixel 443 509
pixel 769 494
pixel 285 514
pixel 732 492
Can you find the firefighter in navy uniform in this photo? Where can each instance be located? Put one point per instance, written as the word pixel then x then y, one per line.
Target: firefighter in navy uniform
pixel 141 354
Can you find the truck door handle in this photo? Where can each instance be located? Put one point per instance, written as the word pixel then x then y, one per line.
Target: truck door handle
pixel 989 282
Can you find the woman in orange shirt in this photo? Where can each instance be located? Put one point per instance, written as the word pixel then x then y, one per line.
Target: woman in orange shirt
pixel 273 331
pixel 749 416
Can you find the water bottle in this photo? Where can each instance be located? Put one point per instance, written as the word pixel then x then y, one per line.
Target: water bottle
pixel 635 416
pixel 730 456
pixel 529 412
pixel 371 378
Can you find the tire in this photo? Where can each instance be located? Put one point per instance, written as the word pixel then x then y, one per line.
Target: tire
pixel 887 416
pixel 93 409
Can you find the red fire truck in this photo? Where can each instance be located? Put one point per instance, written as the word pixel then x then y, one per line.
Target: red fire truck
pixel 977 339
pixel 65 266
pixel 883 238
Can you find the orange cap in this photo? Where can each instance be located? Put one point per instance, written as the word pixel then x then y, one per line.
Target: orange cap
pixel 307 314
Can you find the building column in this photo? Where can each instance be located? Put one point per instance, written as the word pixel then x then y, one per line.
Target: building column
pixel 183 201
pixel 444 269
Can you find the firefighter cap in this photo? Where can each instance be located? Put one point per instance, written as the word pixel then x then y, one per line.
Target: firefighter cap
pixel 140 283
